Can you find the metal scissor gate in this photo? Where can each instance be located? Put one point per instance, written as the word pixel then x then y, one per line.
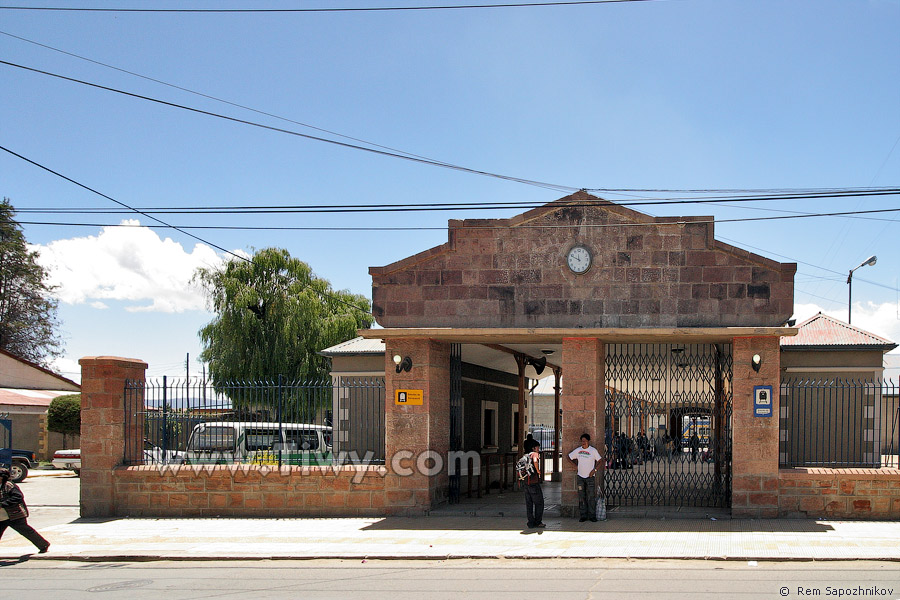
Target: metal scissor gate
pixel 668 425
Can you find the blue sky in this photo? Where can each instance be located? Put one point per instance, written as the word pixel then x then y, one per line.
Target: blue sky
pixel 669 94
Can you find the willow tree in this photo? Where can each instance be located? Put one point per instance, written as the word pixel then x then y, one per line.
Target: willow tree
pixel 27 307
pixel 273 316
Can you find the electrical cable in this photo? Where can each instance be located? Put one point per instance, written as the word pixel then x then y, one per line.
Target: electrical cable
pixel 455 206
pixel 169 226
pixel 325 10
pixel 209 97
pixel 297 133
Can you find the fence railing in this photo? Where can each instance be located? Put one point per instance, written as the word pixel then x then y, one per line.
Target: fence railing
pixel 839 423
pixel 172 421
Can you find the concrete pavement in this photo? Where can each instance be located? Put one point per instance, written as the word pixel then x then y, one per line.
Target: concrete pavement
pixel 462 537
pixel 476 530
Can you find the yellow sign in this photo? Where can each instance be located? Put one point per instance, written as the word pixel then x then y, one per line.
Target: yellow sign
pixel 409 397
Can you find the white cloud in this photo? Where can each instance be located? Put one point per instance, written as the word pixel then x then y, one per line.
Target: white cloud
pixel 130 264
pixel 880 319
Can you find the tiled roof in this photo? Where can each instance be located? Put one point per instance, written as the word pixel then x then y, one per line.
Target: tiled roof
pixel 824 331
pixel 355 346
pixel 11 397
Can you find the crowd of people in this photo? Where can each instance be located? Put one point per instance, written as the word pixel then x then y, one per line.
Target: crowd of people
pixel 625 452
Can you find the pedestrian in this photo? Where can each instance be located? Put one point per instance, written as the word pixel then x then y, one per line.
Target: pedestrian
pixel 695 446
pixel 534 495
pixel 585 458
pixel 15 513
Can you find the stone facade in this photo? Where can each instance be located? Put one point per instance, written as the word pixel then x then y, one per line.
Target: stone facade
pixel 645 272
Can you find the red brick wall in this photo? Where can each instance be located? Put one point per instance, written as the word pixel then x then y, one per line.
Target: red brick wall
pixel 103 428
pixel 754 462
pixel 224 490
pixel 646 272
pixel 839 493
pixel 582 403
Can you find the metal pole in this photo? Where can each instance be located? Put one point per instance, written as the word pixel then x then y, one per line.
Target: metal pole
pixel 849 296
pixel 165 431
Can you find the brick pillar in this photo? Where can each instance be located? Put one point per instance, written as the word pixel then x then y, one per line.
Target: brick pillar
pixel 754 461
pixel 412 431
pixel 582 402
pixel 103 428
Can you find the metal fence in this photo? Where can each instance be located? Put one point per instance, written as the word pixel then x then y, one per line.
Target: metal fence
pixel 839 423
pixel 190 421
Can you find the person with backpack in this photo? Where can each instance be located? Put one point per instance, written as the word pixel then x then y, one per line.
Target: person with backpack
pixel 534 495
pixel 585 458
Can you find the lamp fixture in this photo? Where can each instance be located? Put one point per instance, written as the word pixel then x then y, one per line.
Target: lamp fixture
pixel 538 363
pixel 868 262
pixel 403 364
pixel 756 362
pixel 548 351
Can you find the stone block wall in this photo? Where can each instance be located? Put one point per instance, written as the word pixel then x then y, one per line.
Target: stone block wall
pixel 646 272
pixel 839 493
pixel 245 491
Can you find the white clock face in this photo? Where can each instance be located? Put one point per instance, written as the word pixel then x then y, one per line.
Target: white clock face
pixel 579 259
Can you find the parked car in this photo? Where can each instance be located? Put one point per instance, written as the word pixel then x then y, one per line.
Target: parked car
pixel 21 461
pixel 68 459
pixel 154 455
pixel 226 442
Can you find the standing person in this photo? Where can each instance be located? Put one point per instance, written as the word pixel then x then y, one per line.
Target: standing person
pixel 695 446
pixel 585 458
pixel 534 495
pixel 13 503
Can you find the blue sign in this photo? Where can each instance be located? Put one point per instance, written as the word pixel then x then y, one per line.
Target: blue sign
pixel 762 401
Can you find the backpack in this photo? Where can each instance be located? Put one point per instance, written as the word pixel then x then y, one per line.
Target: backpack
pixel 525 467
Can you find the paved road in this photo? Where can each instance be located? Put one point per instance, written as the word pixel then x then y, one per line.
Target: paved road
pixel 52 499
pixel 493 579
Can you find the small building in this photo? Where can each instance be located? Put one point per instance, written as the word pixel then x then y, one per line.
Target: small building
pixel 26 390
pixel 835 409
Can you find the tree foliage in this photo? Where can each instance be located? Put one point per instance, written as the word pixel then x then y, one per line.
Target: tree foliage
pixel 64 415
pixel 273 316
pixel 27 308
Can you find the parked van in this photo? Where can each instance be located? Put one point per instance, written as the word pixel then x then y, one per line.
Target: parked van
pixel 228 442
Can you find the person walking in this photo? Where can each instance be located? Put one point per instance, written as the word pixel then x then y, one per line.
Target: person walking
pixel 534 495
pixel 695 446
pixel 15 512
pixel 585 458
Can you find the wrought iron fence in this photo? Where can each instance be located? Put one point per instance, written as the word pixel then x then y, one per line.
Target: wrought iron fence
pixel 839 423
pixel 190 421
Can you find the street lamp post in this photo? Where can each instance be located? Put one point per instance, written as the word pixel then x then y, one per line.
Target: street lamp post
pixel 869 261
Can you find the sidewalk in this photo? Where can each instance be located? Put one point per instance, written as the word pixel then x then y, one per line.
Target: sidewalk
pixel 461 537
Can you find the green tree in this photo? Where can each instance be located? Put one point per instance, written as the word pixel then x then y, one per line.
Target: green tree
pixel 273 316
pixel 27 308
pixel 64 416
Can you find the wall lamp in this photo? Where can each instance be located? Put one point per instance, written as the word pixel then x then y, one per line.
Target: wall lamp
pixel 403 364
pixel 756 362
pixel 539 364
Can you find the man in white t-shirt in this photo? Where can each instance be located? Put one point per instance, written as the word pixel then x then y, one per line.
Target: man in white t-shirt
pixel 585 458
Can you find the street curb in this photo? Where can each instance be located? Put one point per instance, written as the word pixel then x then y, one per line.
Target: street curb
pixel 435 557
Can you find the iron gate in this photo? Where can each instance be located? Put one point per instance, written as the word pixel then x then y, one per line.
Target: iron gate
pixel 668 425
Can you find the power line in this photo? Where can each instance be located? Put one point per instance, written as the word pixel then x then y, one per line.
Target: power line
pixel 456 206
pixel 170 226
pixel 209 97
pixel 783 194
pixel 297 133
pixel 420 228
pixel 324 10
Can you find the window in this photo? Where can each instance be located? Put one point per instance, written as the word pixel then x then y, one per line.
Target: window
pixel 213 438
pixel 302 440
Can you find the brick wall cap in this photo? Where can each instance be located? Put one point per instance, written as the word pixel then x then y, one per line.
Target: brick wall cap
pixel 112 360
